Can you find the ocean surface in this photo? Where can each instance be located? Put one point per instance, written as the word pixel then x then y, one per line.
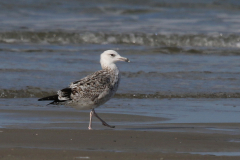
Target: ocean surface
pixel 185 57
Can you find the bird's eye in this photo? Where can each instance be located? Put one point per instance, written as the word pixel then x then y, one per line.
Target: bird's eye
pixel 113 55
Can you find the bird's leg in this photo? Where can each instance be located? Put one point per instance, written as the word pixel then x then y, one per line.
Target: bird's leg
pixel 90 122
pixel 103 122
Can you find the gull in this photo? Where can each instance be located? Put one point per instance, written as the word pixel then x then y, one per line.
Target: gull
pixel 93 90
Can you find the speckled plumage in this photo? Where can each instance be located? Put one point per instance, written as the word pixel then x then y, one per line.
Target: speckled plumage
pixel 93 90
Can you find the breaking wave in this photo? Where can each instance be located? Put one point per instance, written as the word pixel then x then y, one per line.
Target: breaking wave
pixel 155 40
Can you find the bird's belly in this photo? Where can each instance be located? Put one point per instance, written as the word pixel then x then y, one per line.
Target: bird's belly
pixel 82 104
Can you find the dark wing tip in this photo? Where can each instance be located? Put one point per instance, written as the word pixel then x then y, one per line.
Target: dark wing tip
pixel 49 98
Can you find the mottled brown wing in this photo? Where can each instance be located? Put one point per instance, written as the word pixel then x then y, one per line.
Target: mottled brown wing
pixel 91 86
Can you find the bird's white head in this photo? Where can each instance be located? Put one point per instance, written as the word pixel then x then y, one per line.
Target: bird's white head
pixel 109 58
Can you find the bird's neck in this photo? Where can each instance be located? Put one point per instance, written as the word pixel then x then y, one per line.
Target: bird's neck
pixel 114 72
pixel 110 67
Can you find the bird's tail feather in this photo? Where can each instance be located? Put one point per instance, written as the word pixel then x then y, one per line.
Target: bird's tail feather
pixel 54 99
pixel 49 98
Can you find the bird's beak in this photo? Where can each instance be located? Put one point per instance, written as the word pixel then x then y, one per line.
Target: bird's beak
pixel 123 59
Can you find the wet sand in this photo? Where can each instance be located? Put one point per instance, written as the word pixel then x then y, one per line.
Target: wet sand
pixel 156 141
pixel 111 144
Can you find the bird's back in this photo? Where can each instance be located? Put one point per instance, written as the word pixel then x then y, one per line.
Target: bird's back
pixel 95 89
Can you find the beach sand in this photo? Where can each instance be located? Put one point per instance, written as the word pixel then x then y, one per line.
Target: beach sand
pixel 157 141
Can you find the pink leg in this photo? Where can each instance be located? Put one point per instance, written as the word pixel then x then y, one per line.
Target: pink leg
pixel 90 122
pixel 95 114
